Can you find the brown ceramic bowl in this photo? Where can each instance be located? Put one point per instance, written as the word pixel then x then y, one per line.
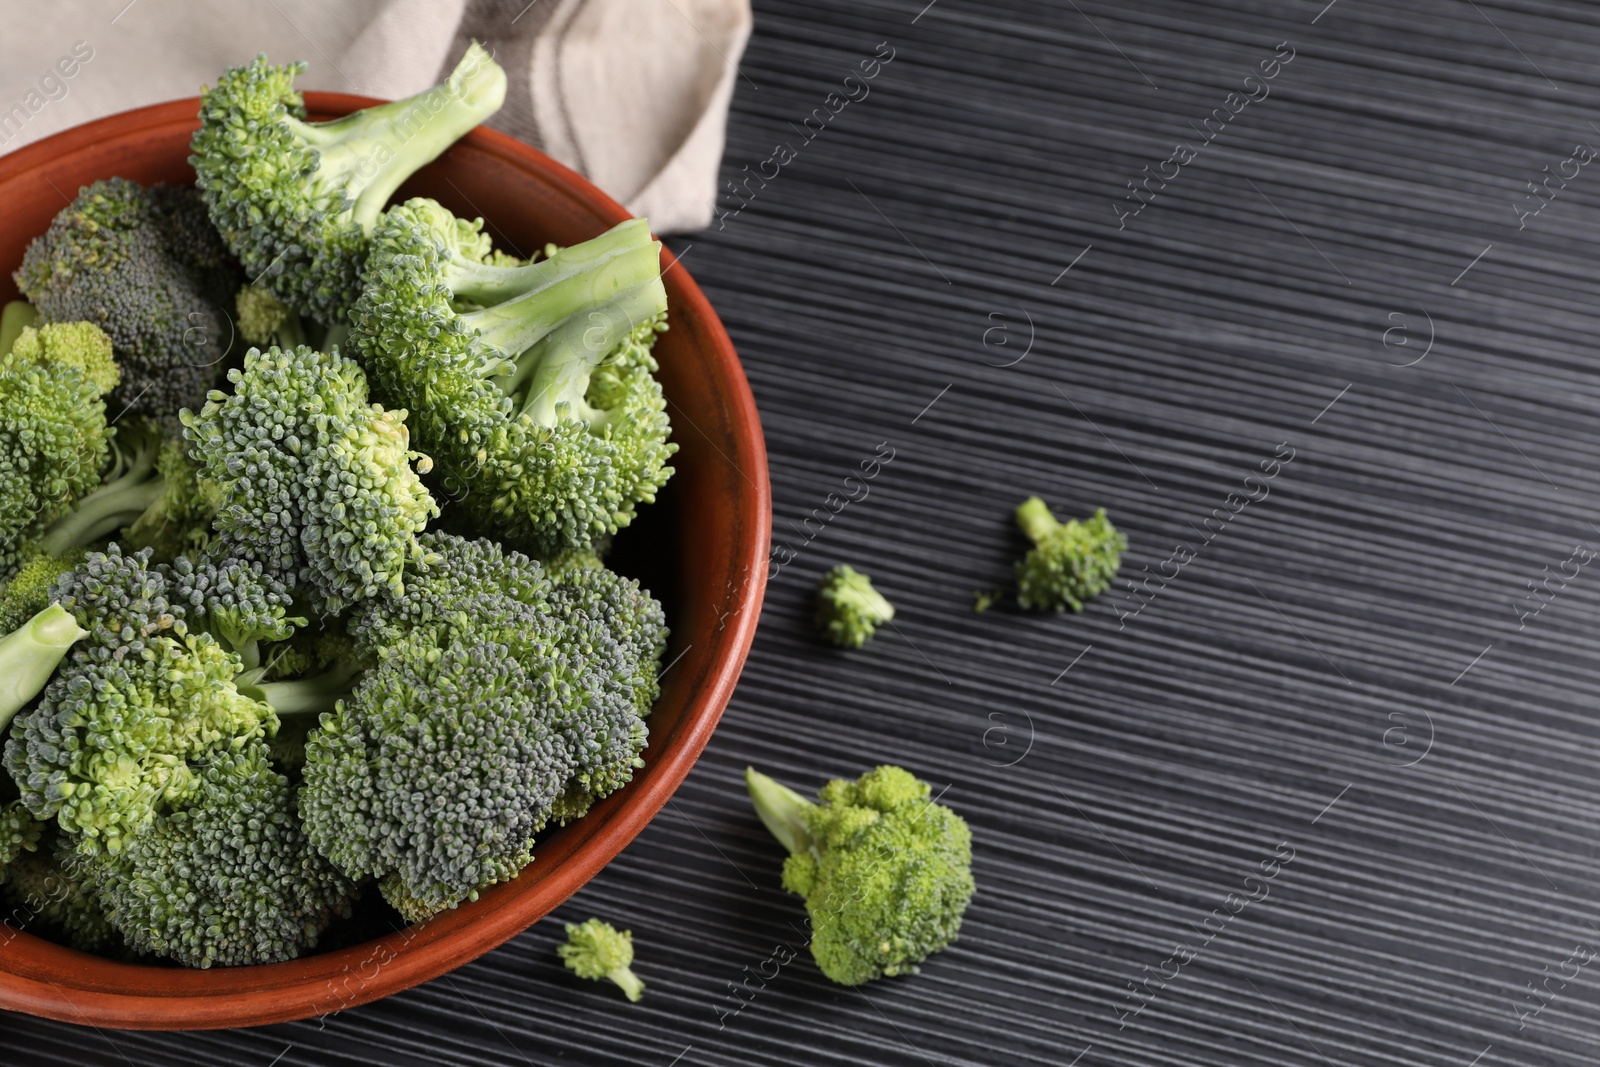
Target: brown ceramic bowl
pixel 701 548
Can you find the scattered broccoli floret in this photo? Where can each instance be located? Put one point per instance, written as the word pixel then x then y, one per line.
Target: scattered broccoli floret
pixel 14 318
pixel 849 609
pixel 886 873
pixel 1070 561
pixel 265 321
pixel 157 689
pixel 146 266
pixel 30 654
pixel 595 950
pixel 984 599
pixel 226 878
pixel 316 483
pixel 54 440
pixel 532 386
pixel 296 200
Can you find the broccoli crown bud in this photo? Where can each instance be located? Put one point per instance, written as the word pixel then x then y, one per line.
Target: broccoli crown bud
pixel 533 385
pixel 596 950
pixel 886 873
pixel 46 885
pixel 148 695
pixel 145 266
pixel 19 832
pixel 849 609
pixel 54 440
pixel 296 200
pixel 1070 561
pixel 227 878
pixel 316 484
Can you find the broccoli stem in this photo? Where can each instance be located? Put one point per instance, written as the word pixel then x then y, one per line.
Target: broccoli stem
pixel 17 316
pixel 308 696
pixel 566 358
pixel 782 811
pixel 371 153
pixel 29 656
pixel 631 986
pixel 1034 517
pixel 486 284
pixel 109 508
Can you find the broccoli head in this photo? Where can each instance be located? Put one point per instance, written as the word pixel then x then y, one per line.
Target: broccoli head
pixel 533 386
pixel 595 950
pixel 54 440
pixel 296 200
pixel 150 693
pixel 1070 561
pixel 886 873
pixel 145 266
pixel 227 877
pixel 265 320
pixel 316 483
pixel 28 592
pixel 45 886
pixel 849 609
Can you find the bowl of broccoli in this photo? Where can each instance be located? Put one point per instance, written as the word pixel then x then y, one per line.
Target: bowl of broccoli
pixel 383 527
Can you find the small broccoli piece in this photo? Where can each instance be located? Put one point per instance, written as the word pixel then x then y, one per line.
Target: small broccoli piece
pixel 264 320
pixel 316 483
pixel 595 950
pixel 15 317
pixel 296 200
pixel 1070 561
pixel 849 609
pixel 30 654
pixel 984 599
pixel 533 386
pixel 157 688
pixel 227 878
pixel 145 266
pixel 886 873
pixel 54 440
pixel 45 887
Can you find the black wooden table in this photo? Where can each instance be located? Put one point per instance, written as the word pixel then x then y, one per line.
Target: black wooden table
pixel 1268 281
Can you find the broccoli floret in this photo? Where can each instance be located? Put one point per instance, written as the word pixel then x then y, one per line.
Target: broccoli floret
pixel 849 609
pixel 533 386
pixel 20 832
pixel 886 873
pixel 28 593
pixel 15 317
pixel 1070 561
pixel 146 266
pixel 264 320
pixel 227 878
pixel 296 200
pixel 316 483
pixel 45 886
pixel 54 440
pixel 596 950
pixel 30 654
pixel 157 688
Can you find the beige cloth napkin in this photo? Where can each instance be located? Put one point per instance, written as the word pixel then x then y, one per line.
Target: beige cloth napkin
pixel 631 93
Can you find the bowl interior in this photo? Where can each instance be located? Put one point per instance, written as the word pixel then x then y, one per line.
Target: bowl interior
pixel 701 549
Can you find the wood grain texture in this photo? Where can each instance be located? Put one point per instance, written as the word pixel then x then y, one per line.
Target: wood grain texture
pixel 1253 704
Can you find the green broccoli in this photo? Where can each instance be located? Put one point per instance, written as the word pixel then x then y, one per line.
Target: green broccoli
pixel 497 706
pixel 264 320
pixel 160 681
pixel 316 483
pixel 146 266
pixel 296 200
pixel 532 386
pixel 226 877
pixel 20 832
pixel 54 440
pixel 30 654
pixel 886 873
pixel 1070 561
pixel 45 886
pixel 595 950
pixel 15 317
pixel 849 609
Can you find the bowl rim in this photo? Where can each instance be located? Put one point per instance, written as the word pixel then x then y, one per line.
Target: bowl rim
pixel 179 998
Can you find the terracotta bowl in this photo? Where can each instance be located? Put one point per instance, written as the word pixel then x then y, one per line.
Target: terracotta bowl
pixel 701 549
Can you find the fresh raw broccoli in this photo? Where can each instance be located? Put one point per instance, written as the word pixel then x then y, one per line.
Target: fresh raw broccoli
pixel 54 440
pixel 296 200
pixel 28 592
pixel 45 887
pixel 20 832
pixel 15 317
pixel 496 707
pixel 30 654
pixel 146 266
pixel 532 386
pixel 595 950
pixel 1070 561
pixel 264 320
pixel 316 482
pixel 226 877
pixel 886 873
pixel 163 682
pixel 849 609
